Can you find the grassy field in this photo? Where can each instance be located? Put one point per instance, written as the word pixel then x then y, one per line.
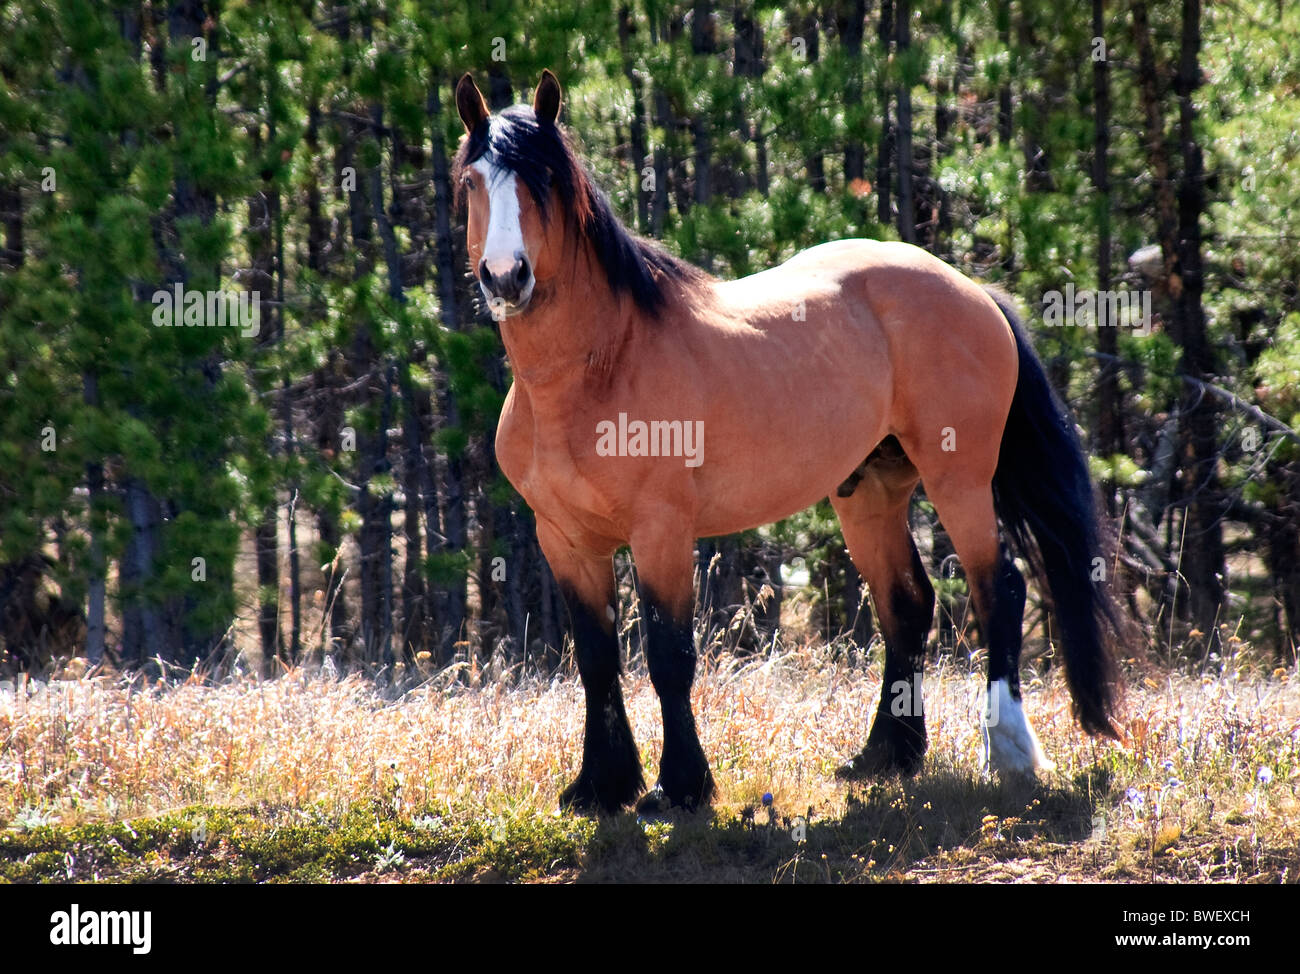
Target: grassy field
pixel 313 778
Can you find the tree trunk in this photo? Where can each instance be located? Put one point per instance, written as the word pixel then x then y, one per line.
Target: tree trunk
pixel 143 630
pixel 749 64
pixel 1003 17
pixel 1203 557
pixel 703 45
pixel 906 206
pixel 329 409
pixel 397 295
pixel 266 538
pixel 412 631
pixel 1038 169
pixel 946 113
pixel 637 135
pixel 669 164
pixel 286 399
pixel 659 202
pixel 1110 433
pixel 721 580
pixel 186 20
pixel 1281 551
pixel 370 442
pixel 885 149
pixel 383 534
pixel 851 16
pixel 450 596
pixel 815 161
pixel 97 590
pixel 11 213
pixel 1157 151
pixel 266 541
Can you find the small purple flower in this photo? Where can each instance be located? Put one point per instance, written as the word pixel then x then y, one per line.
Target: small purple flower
pixel 767 798
pixel 1173 783
pixel 1168 765
pixel 1265 776
pixel 1134 800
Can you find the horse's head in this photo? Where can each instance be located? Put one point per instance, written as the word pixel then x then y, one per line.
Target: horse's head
pixel 533 210
pixel 514 172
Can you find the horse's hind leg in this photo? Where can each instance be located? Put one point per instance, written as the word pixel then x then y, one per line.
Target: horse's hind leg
pixel 611 768
pixel 998 590
pixel 873 518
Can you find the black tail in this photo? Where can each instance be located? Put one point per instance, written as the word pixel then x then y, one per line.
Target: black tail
pixel 1045 499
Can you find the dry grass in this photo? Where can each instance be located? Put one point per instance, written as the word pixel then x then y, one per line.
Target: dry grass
pixel 492 754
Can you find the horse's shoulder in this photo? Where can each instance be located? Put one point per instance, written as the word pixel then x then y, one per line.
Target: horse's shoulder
pixel 514 441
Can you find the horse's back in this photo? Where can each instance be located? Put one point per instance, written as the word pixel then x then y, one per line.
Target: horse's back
pixel 899 284
pixel 876 292
pixel 926 348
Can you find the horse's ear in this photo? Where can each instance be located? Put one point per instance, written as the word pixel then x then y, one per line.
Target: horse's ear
pixel 469 102
pixel 546 99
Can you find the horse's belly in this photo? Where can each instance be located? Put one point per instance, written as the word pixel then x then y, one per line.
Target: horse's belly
pixel 754 512
pixel 764 479
pixel 792 418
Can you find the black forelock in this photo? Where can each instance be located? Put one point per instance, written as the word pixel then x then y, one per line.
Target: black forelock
pixel 534 151
pixel 539 154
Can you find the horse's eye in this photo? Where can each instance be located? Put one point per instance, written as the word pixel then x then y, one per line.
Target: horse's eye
pixel 468 182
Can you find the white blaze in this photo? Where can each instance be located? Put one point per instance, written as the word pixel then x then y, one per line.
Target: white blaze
pixel 505 234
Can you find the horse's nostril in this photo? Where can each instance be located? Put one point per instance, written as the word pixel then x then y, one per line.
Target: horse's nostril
pixel 522 271
pixel 484 274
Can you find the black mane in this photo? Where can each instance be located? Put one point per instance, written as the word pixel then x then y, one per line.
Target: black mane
pixel 539 154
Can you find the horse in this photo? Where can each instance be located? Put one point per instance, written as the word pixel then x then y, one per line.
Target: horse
pixel 651 406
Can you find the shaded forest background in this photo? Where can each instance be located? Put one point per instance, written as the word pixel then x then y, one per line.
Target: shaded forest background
pixel 172 497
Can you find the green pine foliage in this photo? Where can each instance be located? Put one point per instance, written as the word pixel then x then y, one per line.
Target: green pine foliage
pixel 289 148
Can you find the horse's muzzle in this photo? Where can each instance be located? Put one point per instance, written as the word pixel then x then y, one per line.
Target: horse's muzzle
pixel 508 290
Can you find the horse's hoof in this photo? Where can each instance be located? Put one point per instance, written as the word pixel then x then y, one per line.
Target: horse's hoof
pixel 580 798
pixel 654 804
pixel 879 762
pixel 659 802
pixel 586 797
pixel 895 746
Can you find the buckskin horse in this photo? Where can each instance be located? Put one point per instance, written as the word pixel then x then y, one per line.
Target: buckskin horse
pixel 855 370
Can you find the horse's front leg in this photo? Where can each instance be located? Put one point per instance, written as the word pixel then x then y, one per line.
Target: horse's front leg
pixel 611 768
pixel 664 560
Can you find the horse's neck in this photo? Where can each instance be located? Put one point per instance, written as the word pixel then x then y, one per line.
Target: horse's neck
pixel 568 347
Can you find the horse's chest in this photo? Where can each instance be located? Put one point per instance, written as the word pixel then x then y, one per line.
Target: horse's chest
pixel 542 467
